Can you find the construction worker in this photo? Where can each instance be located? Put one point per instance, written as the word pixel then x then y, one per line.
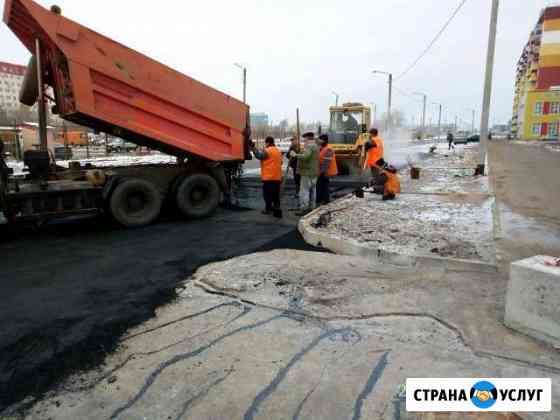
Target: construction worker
pixel 327 169
pixel 271 175
pixel 451 140
pixel 389 178
pixel 375 149
pixel 308 165
pixel 293 163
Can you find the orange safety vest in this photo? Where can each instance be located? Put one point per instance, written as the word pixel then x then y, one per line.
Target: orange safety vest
pixel 271 167
pixel 375 153
pixel 333 168
pixel 393 184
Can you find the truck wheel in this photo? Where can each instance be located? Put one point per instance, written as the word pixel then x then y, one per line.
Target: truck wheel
pixel 198 196
pixel 135 202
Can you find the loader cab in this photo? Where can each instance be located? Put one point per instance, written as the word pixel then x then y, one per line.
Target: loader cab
pixel 348 122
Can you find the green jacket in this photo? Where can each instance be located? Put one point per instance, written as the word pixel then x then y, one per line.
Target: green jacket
pixel 308 162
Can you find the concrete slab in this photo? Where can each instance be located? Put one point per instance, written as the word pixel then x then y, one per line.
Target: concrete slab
pixel 532 299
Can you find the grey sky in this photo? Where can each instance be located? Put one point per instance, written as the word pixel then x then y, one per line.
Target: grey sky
pixel 298 52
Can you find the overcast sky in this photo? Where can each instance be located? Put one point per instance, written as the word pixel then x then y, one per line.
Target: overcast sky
pixel 298 52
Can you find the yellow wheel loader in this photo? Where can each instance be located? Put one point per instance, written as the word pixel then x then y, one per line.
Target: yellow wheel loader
pixel 348 132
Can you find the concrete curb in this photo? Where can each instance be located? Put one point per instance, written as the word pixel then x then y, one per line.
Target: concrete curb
pixel 352 247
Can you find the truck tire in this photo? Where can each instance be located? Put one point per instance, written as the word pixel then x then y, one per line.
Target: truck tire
pixel 198 196
pixel 135 203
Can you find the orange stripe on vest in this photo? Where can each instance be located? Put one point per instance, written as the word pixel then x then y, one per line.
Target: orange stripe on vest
pixel 333 168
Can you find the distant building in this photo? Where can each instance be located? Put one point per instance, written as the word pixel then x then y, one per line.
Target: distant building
pixel 259 120
pixel 11 79
pixel 536 108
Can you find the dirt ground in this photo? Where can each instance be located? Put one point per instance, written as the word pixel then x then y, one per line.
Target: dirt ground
pixel 526 181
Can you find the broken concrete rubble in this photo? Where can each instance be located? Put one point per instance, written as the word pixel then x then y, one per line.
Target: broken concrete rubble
pixel 445 214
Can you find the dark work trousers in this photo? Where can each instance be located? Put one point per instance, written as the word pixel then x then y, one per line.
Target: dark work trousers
pixel 271 193
pixel 323 190
pixel 297 180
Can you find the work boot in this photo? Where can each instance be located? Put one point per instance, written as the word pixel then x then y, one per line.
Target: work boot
pixel 3 220
pixel 266 212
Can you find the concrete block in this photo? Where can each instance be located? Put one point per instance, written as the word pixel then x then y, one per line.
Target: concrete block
pixel 533 299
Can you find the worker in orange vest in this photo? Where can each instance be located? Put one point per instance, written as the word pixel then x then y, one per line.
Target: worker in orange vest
pixel 389 178
pixel 271 175
pixel 375 149
pixel 327 169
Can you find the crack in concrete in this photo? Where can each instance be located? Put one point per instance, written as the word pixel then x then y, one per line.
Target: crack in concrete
pixel 299 409
pixel 185 318
pixel 370 385
pixel 181 357
pixel 282 373
pixel 132 356
pixel 457 331
pixel 187 405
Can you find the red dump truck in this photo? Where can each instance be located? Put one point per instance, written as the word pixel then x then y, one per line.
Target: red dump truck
pixel 96 82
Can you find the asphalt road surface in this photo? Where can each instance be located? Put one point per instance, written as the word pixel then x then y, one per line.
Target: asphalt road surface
pixel 71 289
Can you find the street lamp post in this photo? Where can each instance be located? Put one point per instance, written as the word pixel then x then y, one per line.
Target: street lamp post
pixel 244 70
pixel 337 96
pixel 484 125
pixel 390 75
pixel 425 99
pixel 473 111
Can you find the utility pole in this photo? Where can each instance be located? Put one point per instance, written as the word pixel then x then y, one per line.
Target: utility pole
pixel 390 101
pixel 244 70
pixel 481 169
pixel 473 119
pixel 425 99
pixel 456 121
pixel 298 131
pixel 439 119
pixel 337 97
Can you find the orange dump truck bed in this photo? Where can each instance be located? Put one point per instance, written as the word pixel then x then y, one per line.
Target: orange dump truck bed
pixel 102 84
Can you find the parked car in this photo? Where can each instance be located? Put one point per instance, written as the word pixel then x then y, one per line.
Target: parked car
pixel 62 153
pixel 119 145
pixel 474 139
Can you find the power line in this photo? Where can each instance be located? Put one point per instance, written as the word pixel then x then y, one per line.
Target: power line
pixel 431 44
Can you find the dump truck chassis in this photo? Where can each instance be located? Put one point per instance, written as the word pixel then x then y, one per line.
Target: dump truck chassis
pixel 69 193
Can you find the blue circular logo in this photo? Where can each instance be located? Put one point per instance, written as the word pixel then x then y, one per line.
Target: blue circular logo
pixel 484 395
